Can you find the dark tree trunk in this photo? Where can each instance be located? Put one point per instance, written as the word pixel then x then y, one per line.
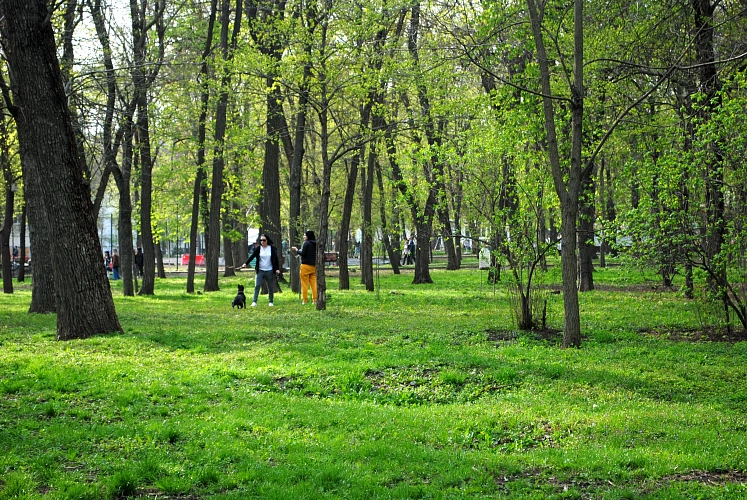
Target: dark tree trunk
pixel 159 259
pixel 216 196
pixel 567 184
pixel 602 198
pixel 296 169
pixel 124 224
pixel 710 85
pixel 66 66
pixel 146 200
pixel 366 261
pixel 434 172
pixel 347 210
pixel 585 234
pixel 368 229
pixel 8 212
pixel 271 166
pixel 422 221
pixel 144 73
pixel 22 253
pixel 391 253
pixel 201 175
pixel 212 250
pixel 43 287
pixel 684 200
pixel 50 162
pixel 423 251
pixel 109 143
pixel 263 26
pixel 321 240
pixel 5 235
pixel 228 268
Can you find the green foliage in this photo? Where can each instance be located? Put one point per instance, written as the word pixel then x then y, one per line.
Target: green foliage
pixel 424 392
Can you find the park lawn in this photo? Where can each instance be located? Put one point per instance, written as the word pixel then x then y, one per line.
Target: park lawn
pixel 414 391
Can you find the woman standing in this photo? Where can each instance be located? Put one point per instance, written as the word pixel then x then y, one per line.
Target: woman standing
pixel 308 265
pixel 108 264
pixel 267 266
pixel 115 265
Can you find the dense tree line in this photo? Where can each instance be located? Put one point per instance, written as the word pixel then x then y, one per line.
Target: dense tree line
pixel 518 124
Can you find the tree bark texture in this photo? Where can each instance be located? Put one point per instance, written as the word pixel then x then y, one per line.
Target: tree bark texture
pixel 710 85
pixel 5 239
pixel 585 234
pixel 567 183
pixel 10 196
pixel 434 171
pixel 201 175
pixel 216 195
pixel 347 210
pixel 368 228
pixel 385 231
pixel 296 169
pixel 142 79
pixel 124 224
pixel 22 254
pixel 50 162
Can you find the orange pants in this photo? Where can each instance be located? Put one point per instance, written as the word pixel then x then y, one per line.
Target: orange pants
pixel 308 278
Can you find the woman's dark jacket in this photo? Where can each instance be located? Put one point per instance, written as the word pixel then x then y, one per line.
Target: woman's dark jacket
pixel 308 252
pixel 273 258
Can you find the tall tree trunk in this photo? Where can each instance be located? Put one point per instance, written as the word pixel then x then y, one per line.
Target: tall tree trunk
pixel 216 196
pixel 201 175
pixel 366 260
pixel 321 240
pixel 109 142
pixel 5 240
pixel 567 183
pixel 144 73
pixel 296 169
pixel 347 211
pixel 228 268
pixel 271 166
pixel 51 165
pixel 686 104
pixel 434 174
pixel 124 225
pixel 66 66
pixel 422 220
pixel 212 250
pixel 43 286
pixel 10 195
pixel 271 43
pixel 368 228
pixel 22 253
pixel 391 253
pixel 710 85
pixel 159 259
pixel 146 199
pixel 603 216
pixel 585 234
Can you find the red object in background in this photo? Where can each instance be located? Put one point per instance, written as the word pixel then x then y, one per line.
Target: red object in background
pixel 199 260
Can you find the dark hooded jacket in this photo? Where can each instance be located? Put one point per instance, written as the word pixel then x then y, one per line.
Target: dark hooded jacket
pixel 254 256
pixel 308 249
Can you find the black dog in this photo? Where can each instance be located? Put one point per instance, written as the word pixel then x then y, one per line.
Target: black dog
pixel 240 299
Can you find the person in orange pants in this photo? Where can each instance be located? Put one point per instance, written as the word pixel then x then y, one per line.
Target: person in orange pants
pixel 308 265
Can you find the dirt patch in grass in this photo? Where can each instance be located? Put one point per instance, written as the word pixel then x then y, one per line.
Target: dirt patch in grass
pixel 624 287
pixel 591 487
pixel 715 478
pixel 705 334
pixel 551 335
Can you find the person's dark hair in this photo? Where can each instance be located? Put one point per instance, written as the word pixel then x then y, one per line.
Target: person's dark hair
pixel 310 235
pixel 264 235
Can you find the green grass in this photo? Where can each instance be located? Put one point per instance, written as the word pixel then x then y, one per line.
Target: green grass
pixel 404 393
